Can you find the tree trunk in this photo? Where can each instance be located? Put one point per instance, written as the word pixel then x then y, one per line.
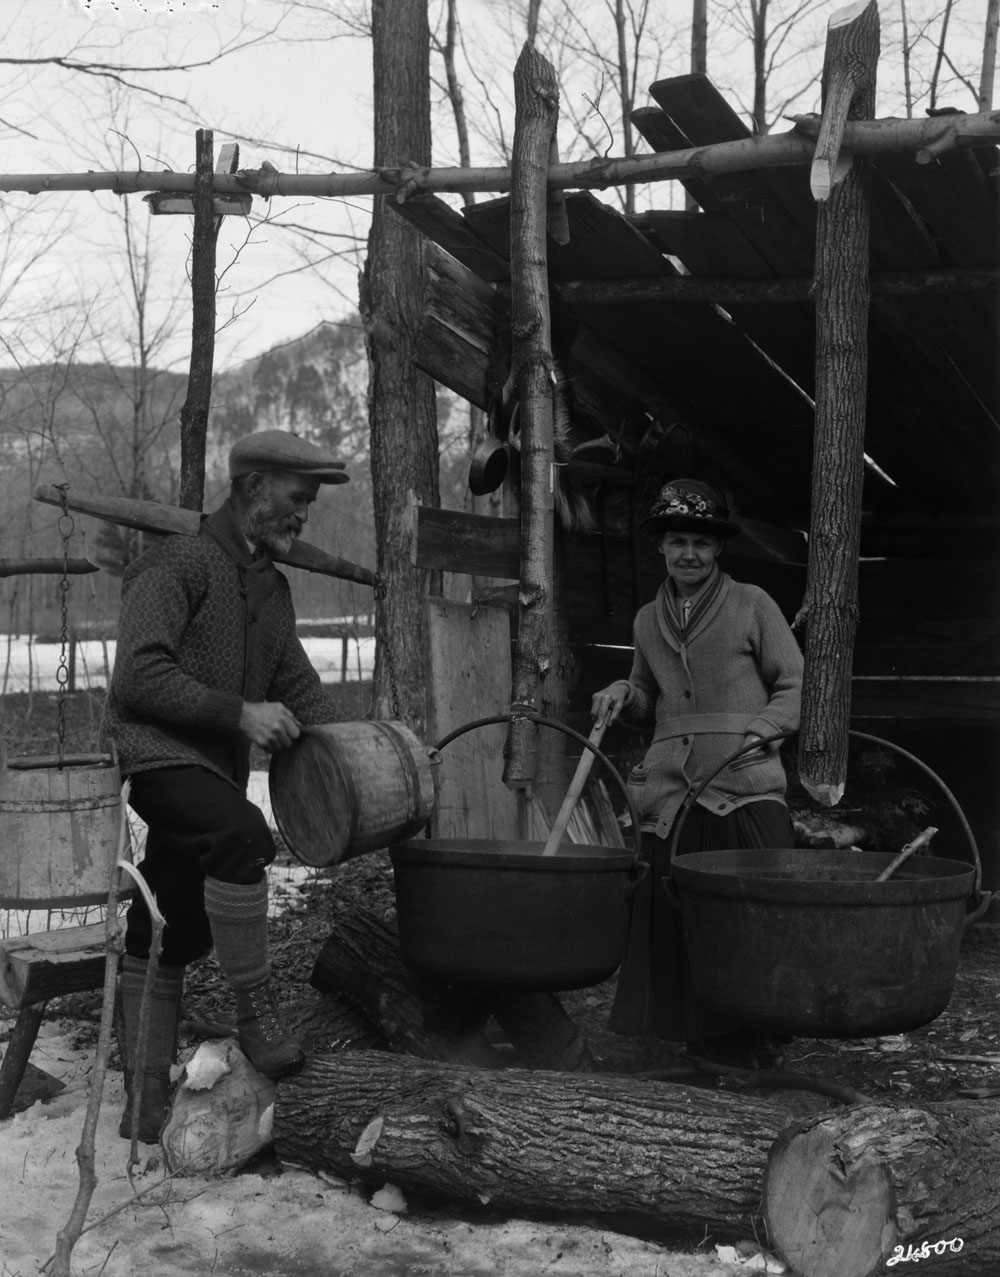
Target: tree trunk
pixel 194 413
pixel 985 101
pixel 861 1190
pixel 678 1158
pixel 830 609
pixel 401 400
pixel 537 683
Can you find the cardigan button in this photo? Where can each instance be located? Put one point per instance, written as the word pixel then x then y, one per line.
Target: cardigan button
pixel 687 695
pixel 686 740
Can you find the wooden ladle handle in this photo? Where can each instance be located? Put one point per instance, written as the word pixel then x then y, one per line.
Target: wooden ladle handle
pixel 575 789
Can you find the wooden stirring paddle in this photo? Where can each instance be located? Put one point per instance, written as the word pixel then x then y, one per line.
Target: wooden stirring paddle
pixel 921 840
pixel 575 789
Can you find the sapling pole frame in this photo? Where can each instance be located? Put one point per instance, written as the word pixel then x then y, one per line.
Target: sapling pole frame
pixel 925 139
pixel 536 96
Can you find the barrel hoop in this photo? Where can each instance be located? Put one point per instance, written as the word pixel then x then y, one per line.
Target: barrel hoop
pixel 409 767
pixel 59 804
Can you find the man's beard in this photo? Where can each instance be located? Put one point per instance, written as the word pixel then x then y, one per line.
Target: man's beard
pixel 266 529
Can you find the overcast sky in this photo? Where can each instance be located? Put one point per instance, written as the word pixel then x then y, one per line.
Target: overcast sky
pixel 297 98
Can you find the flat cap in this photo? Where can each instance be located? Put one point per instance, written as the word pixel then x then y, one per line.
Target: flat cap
pixel 281 450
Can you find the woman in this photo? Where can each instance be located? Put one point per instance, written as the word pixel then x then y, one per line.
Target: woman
pixel 716 667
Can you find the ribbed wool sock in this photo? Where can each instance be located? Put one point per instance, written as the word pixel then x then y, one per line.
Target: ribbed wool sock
pixel 237 913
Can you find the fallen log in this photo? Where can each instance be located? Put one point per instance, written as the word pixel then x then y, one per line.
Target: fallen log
pixel 857 1191
pixel 679 1158
pixel 362 961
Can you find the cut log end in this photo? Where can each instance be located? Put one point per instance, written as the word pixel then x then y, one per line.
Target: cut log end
pixel 828 1218
pixel 823 792
pixel 850 13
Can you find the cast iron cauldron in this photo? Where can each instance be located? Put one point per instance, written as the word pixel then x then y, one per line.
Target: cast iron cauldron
pixel 492 914
pixel 807 943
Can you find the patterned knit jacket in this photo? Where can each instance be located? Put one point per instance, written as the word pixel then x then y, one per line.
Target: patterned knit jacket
pixel 738 669
pixel 203 629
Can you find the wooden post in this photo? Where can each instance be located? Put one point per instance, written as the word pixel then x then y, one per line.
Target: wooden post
pixel 830 608
pixel 194 413
pixel 535 683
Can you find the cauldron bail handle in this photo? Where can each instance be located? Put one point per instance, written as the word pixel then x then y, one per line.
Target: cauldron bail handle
pixel 692 795
pixel 983 898
pixel 633 810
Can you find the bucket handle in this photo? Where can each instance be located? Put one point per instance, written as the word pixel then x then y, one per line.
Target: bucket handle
pixel 633 811
pixel 983 898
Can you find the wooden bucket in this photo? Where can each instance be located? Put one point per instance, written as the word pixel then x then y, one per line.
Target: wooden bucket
pixel 59 830
pixel 346 788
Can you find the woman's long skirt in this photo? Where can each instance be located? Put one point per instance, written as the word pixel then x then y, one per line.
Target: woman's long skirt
pixel 654 997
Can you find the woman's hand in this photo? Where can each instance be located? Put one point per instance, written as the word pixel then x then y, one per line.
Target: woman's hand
pixel 608 703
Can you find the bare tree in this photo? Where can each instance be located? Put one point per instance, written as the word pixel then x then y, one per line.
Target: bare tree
pixel 404 441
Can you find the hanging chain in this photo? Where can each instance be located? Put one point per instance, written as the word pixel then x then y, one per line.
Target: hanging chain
pixel 66 527
pixel 381 593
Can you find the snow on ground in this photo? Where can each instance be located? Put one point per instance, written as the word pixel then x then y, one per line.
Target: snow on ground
pixel 25 665
pixel 296 1224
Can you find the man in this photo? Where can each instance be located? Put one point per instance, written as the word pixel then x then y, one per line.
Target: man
pixel 207 664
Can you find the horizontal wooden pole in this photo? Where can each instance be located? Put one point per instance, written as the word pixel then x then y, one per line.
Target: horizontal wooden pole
pixel 925 139
pixel 46 567
pixel 166 520
pixel 731 292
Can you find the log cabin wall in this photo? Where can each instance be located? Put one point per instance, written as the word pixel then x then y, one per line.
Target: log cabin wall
pixel 686 340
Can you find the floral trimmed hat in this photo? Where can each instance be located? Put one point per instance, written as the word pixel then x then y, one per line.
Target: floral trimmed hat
pixel 688 505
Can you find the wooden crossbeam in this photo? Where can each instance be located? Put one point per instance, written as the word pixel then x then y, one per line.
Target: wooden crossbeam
pixel 728 292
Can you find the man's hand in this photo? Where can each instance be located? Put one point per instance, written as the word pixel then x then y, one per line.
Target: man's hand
pixel 269 724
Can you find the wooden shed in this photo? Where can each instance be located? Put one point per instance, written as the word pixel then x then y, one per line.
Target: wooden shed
pixel 685 342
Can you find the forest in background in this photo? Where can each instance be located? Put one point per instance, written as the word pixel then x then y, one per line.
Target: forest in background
pixel 114 431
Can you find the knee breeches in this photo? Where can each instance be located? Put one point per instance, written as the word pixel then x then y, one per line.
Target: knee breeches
pixel 199 826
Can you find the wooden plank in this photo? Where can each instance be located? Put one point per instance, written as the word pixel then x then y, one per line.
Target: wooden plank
pixel 704 242
pixel 470 678
pixel 436 219
pixel 453 541
pixel 909 536
pixel 944 700
pixel 47 964
pixel 912 418
pixel 943 588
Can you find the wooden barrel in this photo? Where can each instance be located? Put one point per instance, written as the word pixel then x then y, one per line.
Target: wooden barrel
pixel 59 830
pixel 346 788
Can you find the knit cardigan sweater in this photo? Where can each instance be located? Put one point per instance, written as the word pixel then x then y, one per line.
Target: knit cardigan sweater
pixel 738 669
pixel 203 629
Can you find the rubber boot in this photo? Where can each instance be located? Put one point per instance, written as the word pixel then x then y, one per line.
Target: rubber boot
pixel 238 916
pixel 161 1043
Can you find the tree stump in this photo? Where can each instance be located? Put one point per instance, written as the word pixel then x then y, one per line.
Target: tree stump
pixel 637 1152
pixel 853 1192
